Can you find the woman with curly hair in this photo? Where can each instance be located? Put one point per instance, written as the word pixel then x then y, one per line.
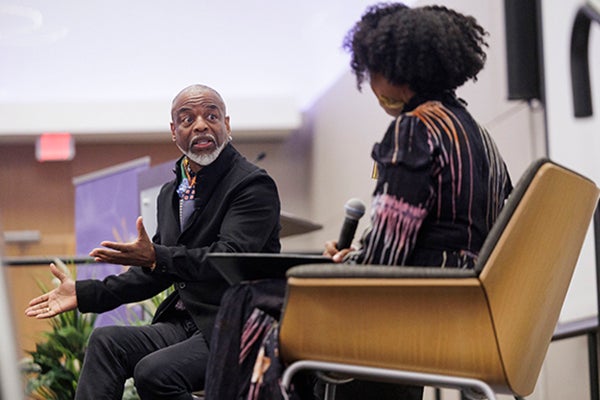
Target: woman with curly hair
pixel 441 181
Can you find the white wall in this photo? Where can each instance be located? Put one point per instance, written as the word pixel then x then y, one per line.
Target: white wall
pixel 345 125
pixel 572 142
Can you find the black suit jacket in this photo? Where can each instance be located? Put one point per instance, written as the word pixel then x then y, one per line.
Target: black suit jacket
pixel 236 209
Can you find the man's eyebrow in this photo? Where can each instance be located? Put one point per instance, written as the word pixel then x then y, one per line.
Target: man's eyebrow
pixel 182 110
pixel 187 109
pixel 214 108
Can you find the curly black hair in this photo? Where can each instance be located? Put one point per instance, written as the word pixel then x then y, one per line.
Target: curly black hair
pixel 432 49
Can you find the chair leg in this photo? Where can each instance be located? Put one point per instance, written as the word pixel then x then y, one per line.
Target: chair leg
pixel 330 391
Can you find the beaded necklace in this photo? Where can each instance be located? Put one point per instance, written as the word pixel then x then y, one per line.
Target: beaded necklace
pixel 186 190
pixel 187 187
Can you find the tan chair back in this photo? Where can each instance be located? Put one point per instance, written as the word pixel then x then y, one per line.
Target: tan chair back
pixel 529 266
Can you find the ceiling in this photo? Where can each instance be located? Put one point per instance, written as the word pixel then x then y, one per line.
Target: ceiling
pixel 84 53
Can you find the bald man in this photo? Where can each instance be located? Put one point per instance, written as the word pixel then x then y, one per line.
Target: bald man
pixel 218 202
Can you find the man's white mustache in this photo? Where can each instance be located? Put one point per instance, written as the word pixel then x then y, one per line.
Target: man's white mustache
pixel 197 139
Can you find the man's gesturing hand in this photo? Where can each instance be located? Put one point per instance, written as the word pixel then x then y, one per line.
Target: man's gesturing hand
pixel 140 252
pixel 61 299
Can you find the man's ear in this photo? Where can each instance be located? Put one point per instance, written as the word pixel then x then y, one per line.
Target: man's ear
pixel 173 137
pixel 227 124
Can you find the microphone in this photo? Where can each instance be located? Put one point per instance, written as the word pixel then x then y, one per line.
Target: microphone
pixel 260 156
pixel 355 209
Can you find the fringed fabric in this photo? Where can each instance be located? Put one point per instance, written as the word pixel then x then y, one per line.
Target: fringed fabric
pixel 395 226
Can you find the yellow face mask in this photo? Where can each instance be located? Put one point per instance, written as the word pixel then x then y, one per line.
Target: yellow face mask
pixel 391 104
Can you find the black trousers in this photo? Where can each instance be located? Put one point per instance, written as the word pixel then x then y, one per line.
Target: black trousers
pixel 167 361
pixel 360 390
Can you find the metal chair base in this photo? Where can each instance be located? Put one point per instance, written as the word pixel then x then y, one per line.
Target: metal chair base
pixel 388 375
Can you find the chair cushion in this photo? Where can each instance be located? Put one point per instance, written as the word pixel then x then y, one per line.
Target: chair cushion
pixel 376 271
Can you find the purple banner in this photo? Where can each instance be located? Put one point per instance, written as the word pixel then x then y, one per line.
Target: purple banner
pixel 106 208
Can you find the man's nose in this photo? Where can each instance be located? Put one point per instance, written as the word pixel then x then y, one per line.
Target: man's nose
pixel 200 124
